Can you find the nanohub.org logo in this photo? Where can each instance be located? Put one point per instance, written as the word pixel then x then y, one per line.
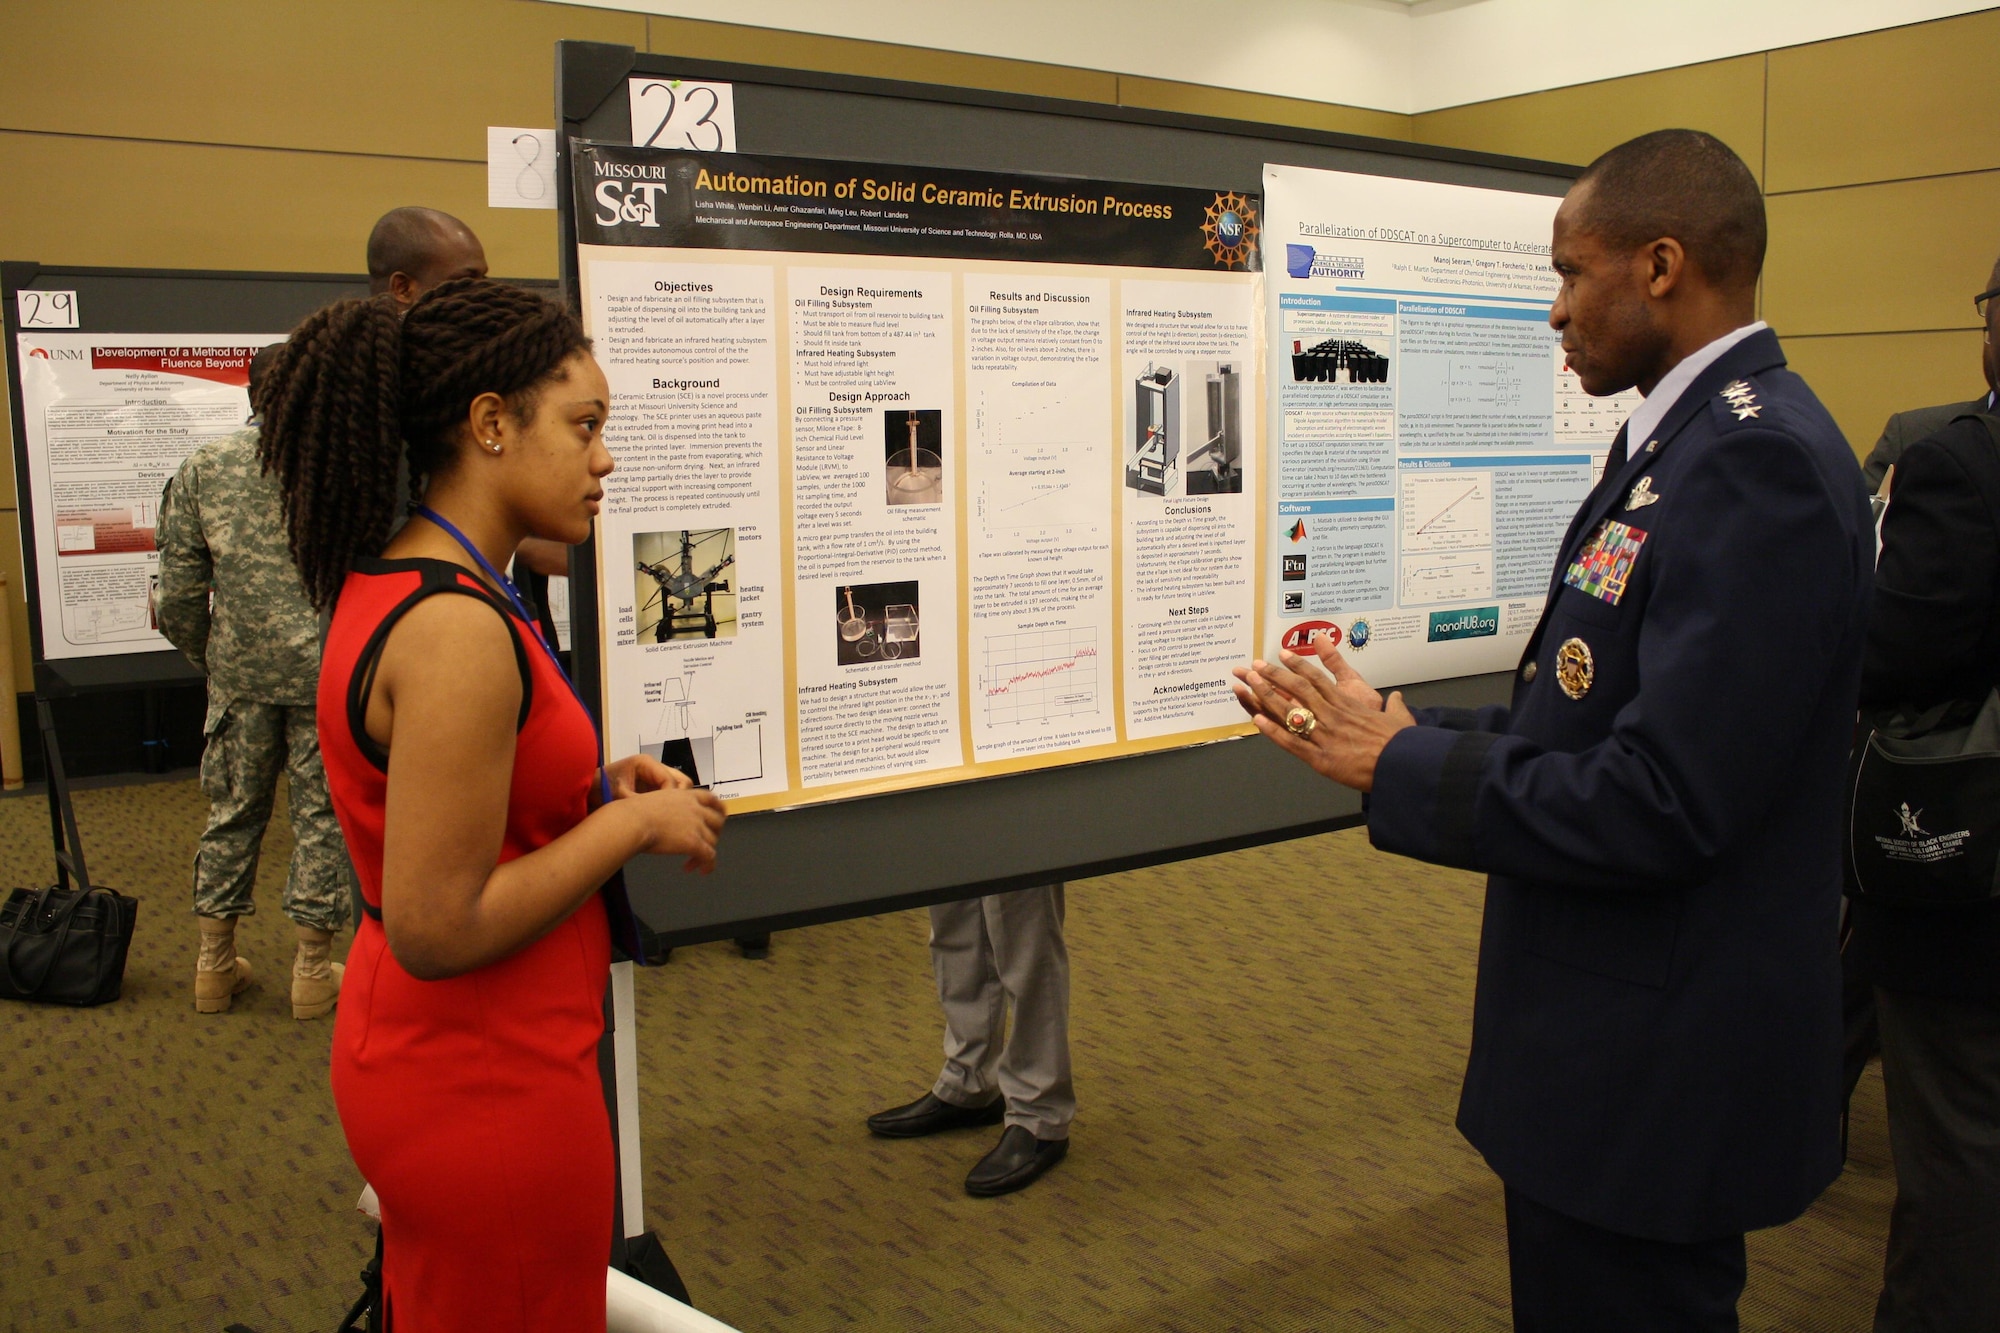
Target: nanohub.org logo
pixel 1472 623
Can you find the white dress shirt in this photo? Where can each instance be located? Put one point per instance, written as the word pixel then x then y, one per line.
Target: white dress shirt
pixel 1647 416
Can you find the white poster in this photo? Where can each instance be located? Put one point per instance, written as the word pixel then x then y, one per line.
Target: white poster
pixel 983 450
pixel 689 536
pixel 1428 445
pixel 1190 529
pixel 108 418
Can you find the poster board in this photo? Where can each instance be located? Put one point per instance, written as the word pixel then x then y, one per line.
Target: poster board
pixel 140 367
pixel 925 476
pixel 869 853
pixel 1429 443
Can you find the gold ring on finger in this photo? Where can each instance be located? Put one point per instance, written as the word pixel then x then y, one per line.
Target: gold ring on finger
pixel 1300 720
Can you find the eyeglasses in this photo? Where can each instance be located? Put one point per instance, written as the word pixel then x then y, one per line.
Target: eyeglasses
pixel 1979 301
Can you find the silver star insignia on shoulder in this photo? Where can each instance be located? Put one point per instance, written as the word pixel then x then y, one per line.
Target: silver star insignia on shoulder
pixel 1742 399
pixel 1642 495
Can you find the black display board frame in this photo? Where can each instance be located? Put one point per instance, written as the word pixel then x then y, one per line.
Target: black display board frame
pixel 809 864
pixel 123 302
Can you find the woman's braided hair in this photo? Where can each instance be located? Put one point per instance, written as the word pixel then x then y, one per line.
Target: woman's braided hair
pixel 358 390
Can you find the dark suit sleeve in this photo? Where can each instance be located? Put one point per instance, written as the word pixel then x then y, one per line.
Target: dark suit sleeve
pixel 1886 451
pixel 1746 609
pixel 1934 583
pixel 1492 717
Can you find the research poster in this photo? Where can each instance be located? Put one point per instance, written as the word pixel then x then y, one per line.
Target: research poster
pixel 108 419
pixel 1428 446
pixel 922 475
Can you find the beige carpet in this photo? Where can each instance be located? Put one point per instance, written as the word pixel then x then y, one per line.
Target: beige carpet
pixel 1268 1047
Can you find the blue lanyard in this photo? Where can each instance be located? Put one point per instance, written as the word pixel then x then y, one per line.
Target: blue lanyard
pixel 514 599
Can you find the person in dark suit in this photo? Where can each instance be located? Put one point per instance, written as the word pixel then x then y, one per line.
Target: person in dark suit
pixel 1655 1064
pixel 1934 637
pixel 1906 428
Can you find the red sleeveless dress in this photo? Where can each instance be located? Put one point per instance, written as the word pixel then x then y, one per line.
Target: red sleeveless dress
pixel 473 1105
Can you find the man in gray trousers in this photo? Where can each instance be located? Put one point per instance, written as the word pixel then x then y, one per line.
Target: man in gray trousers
pixel 992 954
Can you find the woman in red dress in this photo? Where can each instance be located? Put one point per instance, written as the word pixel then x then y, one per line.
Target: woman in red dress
pixel 466 776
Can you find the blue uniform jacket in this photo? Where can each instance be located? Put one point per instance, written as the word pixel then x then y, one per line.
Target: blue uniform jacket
pixel 1656 1032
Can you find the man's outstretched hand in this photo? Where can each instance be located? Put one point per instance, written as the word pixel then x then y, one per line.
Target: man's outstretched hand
pixel 1354 723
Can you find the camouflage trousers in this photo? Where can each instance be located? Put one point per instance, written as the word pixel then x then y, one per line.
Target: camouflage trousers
pixel 249 746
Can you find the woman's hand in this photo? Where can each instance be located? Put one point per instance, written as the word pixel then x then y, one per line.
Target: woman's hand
pixel 1352 723
pixel 639 773
pixel 677 821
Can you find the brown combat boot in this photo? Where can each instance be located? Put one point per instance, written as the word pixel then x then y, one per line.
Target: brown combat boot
pixel 219 975
pixel 315 976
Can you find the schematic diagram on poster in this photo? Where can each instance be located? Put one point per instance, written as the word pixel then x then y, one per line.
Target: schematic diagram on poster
pixel 679 735
pixel 1492 384
pixel 1039 675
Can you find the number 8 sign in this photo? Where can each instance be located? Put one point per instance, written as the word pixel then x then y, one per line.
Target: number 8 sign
pixel 675 113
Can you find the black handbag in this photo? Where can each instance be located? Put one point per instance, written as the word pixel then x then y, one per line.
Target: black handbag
pixel 65 944
pixel 1923 813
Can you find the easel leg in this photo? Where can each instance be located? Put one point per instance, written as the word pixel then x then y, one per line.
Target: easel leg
pixel 635 1251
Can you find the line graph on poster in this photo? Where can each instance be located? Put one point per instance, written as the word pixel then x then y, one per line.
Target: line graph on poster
pixel 681 734
pixel 1450 509
pixel 1039 675
pixel 1031 461
pixel 1446 577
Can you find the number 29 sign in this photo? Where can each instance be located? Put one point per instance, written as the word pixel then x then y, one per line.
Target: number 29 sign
pixel 677 113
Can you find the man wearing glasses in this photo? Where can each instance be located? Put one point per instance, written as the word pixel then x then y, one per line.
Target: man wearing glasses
pixel 1934 639
pixel 1906 428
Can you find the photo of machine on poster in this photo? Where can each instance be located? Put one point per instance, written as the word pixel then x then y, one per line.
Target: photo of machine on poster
pixel 913 443
pixel 681 584
pixel 1215 464
pixel 1153 456
pixel 876 622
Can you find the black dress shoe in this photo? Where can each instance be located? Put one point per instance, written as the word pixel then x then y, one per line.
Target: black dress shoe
pixel 1016 1162
pixel 928 1115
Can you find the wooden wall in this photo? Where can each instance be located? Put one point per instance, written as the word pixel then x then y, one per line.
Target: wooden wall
pixel 269 134
pixel 1881 169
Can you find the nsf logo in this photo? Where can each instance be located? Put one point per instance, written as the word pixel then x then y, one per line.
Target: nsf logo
pixel 1229 230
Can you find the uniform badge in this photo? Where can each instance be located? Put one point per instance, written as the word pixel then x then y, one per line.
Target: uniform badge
pixel 1641 495
pixel 1742 399
pixel 1603 566
pixel 1574 668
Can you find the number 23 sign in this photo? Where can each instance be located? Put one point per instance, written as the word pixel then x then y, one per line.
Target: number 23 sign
pixel 674 113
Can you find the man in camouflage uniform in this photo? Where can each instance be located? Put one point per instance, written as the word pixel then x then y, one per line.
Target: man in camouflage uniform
pixel 230 599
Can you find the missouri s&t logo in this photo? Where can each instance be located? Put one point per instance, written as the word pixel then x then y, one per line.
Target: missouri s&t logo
pixel 621 202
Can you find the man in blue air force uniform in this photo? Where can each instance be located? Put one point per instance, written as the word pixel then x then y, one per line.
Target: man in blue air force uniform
pixel 1655 1064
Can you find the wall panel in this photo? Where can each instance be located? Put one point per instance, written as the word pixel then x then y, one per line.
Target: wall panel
pixel 1864 378
pixel 1902 256
pixel 840 55
pixel 1162 95
pixel 1912 101
pixel 1724 97
pixel 197 206
pixel 16 606
pixel 359 76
